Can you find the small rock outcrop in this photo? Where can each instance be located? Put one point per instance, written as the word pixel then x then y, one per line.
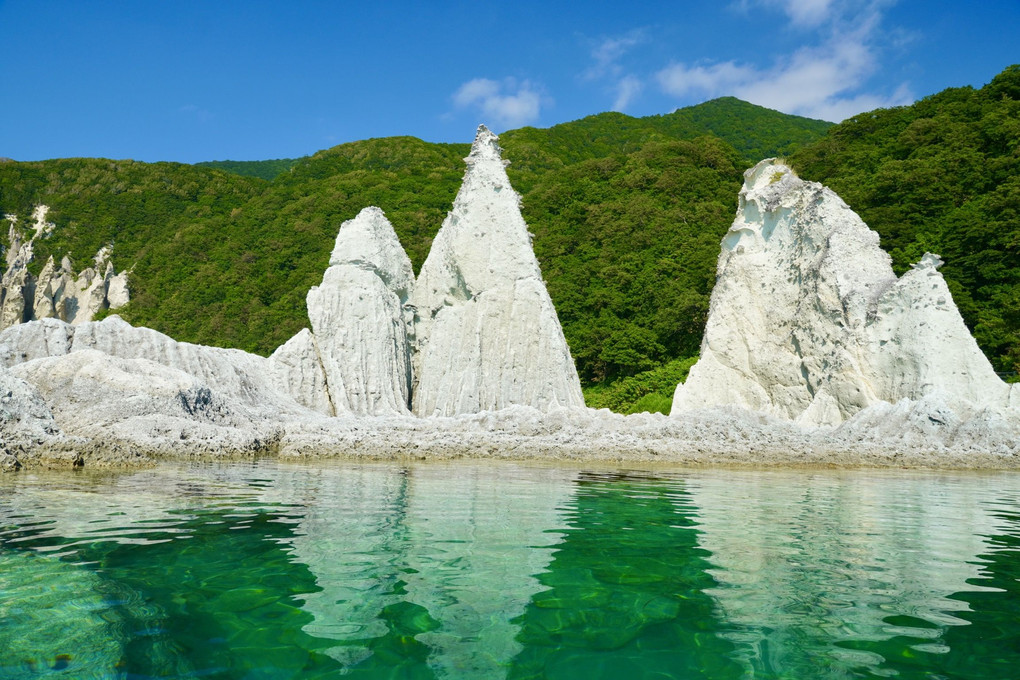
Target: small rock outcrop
pixel 296 368
pixel 486 335
pixel 25 420
pixel 57 292
pixel 808 321
pixel 359 321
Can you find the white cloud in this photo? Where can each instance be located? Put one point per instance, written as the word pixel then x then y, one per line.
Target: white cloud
pixel 819 81
pixel 801 13
pixel 807 12
pixel 628 88
pixel 606 56
pixel 507 103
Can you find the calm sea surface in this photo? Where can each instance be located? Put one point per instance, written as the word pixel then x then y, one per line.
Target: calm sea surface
pixel 475 570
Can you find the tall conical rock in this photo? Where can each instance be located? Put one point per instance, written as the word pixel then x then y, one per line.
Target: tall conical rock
pixel 486 333
pixel 808 321
pixel 358 319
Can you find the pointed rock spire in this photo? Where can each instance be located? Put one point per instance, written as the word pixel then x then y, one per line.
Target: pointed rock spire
pixel 357 316
pixel 486 333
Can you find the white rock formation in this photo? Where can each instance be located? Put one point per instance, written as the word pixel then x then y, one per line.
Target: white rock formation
pixel 109 381
pixel 809 323
pixel 358 318
pixel 297 370
pixel 58 292
pixel 25 419
pixel 486 332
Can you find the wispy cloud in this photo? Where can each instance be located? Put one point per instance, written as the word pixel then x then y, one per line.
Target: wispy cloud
pixel 606 67
pixel 195 111
pixel 801 13
pixel 821 81
pixel 506 103
pixel 627 88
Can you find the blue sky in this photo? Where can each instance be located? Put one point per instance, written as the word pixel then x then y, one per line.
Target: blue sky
pixel 191 81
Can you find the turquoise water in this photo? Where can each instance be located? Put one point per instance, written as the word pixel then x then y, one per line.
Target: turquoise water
pixel 490 571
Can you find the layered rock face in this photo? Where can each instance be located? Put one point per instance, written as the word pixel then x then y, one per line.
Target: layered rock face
pixel 359 322
pixel 58 292
pixel 808 321
pixel 112 367
pixel 486 335
pixel 296 369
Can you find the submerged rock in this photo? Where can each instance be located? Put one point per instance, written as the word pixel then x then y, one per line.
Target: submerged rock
pixel 808 321
pixel 358 319
pixel 486 335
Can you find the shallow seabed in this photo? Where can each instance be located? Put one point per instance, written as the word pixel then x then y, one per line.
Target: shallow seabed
pixel 483 570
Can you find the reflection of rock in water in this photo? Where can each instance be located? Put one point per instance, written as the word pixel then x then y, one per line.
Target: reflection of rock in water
pixel 987 648
pixel 352 538
pixel 845 573
pixel 478 543
pixel 431 563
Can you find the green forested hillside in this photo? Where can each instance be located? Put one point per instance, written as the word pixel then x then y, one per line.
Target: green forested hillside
pixel 942 175
pixel 627 214
pixel 264 169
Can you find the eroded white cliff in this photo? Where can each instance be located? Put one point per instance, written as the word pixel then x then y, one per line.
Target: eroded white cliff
pixel 809 323
pixel 486 333
pixel 296 369
pixel 57 292
pixel 110 381
pixel 358 318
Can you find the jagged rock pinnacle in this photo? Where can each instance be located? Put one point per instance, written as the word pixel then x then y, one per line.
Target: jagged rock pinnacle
pixel 485 147
pixel 486 333
pixel 808 321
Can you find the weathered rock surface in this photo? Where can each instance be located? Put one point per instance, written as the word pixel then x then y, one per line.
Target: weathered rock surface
pixel 58 292
pixel 486 333
pixel 113 400
pixel 358 318
pixel 142 387
pixel 809 323
pixel 296 369
pixel 26 421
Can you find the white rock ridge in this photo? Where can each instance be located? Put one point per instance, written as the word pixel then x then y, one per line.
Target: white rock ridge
pixel 57 292
pixel 246 381
pixel 486 335
pixel 808 321
pixel 359 320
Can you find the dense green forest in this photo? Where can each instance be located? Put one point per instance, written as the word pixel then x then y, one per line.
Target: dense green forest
pixel 264 169
pixel 942 175
pixel 627 215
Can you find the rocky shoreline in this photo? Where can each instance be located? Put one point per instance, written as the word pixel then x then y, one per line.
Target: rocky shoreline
pixel 815 354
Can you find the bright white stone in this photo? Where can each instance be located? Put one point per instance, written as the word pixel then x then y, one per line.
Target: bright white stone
pixel 486 333
pixel 358 318
pixel 298 372
pixel 809 323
